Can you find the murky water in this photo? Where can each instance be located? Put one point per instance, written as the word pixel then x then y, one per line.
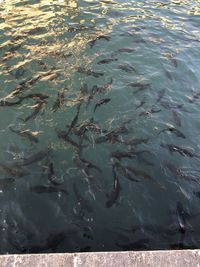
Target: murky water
pixel 99 125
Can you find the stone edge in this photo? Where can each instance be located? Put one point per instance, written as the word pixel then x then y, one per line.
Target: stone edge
pixel 167 258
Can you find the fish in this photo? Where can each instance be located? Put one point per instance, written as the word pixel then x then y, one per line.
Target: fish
pixel 138 172
pixel 4 103
pixel 161 94
pixel 59 101
pixel 135 141
pixel 13 170
pixel 75 119
pixel 83 202
pixel 126 50
pixel 35 96
pixel 51 174
pixel 176 118
pixel 139 85
pixel 181 216
pixel 100 89
pixel 29 82
pixel 38 108
pixel 51 243
pixel 89 72
pixel 127 68
pixel 169 105
pixel 174 131
pixel 182 151
pixel 142 102
pixel 106 61
pixel 180 173
pixel 171 59
pixel 194 97
pixel 35 157
pixel 113 196
pixel 128 154
pixel 64 135
pixel 113 135
pixel 149 112
pixel 101 102
pixel 6 183
pixel 26 134
pixel 19 72
pixel 168 74
pixel 81 129
pixel 39 189
pixel 91 165
pixel 93 42
pixel 125 172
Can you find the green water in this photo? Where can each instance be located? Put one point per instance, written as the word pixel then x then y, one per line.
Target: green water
pixel 91 95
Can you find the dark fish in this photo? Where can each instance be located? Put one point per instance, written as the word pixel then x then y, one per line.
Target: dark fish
pixel 135 141
pixel 181 217
pixel 106 61
pixel 87 126
pixel 140 86
pixel 39 189
pixel 138 172
pixel 142 102
pixel 113 135
pixel 125 172
pixel 26 134
pixel 33 31
pixel 126 50
pixel 149 112
pixel 127 68
pixel 51 243
pixel 168 74
pixel 15 171
pixel 90 72
pixel 38 108
pixel 114 194
pixel 176 118
pixel 64 135
pixel 81 165
pixel 90 165
pixel 83 202
pixel 128 154
pixel 36 96
pixel 19 72
pixel 169 105
pixel 28 83
pixel 161 94
pixel 174 131
pixel 93 42
pixel 75 119
pixel 101 102
pixel 59 101
pixel 51 174
pixel 6 183
pixel 197 194
pixel 100 89
pixel 182 151
pixel 180 173
pixel 138 245
pixel 4 103
pixel 193 98
pixel 35 158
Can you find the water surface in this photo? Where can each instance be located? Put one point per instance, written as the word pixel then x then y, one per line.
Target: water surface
pixel 99 125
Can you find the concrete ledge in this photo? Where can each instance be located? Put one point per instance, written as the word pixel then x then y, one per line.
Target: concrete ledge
pixel 175 258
